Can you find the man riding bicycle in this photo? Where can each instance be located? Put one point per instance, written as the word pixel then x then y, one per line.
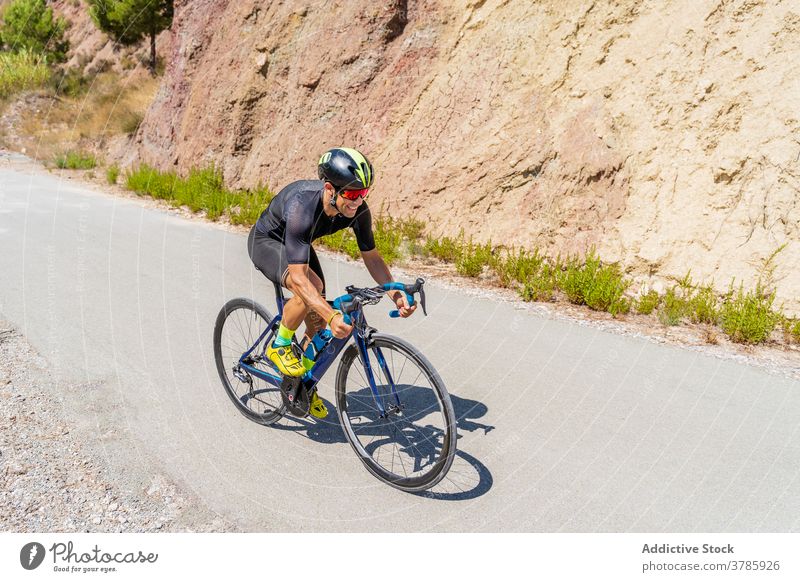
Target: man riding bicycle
pixel 279 244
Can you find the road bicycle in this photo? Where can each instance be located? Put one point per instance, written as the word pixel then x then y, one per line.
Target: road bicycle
pixel 392 404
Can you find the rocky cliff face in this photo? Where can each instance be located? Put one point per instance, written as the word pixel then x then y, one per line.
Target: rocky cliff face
pixel 666 134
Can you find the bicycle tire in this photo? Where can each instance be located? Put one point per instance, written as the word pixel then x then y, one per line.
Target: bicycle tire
pixel 352 407
pixel 269 396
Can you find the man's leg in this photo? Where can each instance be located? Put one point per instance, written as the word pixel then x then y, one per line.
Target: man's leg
pixel 295 311
pixel 314 322
pixel 269 256
pixel 280 352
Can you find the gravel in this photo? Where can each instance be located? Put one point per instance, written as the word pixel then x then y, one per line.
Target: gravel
pixel 49 478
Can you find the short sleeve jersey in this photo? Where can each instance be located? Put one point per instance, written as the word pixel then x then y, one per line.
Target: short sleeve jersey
pixel 296 218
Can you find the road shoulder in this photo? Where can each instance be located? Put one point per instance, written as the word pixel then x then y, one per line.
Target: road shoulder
pixel 52 480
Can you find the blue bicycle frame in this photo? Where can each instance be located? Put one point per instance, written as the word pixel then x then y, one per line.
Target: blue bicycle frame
pixel 328 355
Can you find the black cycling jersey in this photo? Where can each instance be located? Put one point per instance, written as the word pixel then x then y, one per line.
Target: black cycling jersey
pixel 296 218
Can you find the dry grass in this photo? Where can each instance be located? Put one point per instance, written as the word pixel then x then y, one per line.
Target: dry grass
pixel 108 108
pixel 710 336
pixel 20 72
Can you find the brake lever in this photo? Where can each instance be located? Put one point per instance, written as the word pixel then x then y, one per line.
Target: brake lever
pixel 347 304
pixel 410 290
pixel 418 288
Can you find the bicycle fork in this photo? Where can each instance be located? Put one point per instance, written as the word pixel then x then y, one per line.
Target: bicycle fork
pixel 395 408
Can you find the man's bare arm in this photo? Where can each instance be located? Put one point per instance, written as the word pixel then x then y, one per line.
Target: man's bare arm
pixel 376 266
pixel 303 287
pixel 380 272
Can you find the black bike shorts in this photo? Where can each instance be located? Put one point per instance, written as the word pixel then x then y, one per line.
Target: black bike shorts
pixel 269 256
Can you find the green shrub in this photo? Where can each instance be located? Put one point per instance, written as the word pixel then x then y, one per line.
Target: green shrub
pixel 532 270
pixel 148 180
pixel 249 204
pixel 343 241
pixel 73 160
pixel 608 292
pixel 573 281
pixel 673 308
pixel 22 71
pixel 411 231
pixel 411 228
pixel 112 173
pixel 685 300
pixel 648 302
pixel 128 22
pixel 28 25
pixel 445 249
pixel 201 190
pixel 748 317
pixel 703 306
pixel 517 266
pixel 394 238
pixel 791 329
pixel 540 286
pixel 70 82
pixel 473 258
pixel 600 287
pixel 204 189
pixel 388 234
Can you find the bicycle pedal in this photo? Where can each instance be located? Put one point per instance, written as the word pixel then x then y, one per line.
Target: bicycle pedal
pixel 295 396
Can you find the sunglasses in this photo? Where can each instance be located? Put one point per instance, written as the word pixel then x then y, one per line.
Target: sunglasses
pixel 354 194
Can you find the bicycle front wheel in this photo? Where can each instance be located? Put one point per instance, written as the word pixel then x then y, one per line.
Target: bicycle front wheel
pixel 403 430
pixel 239 324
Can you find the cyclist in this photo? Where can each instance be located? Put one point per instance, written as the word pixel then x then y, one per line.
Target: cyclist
pixel 279 244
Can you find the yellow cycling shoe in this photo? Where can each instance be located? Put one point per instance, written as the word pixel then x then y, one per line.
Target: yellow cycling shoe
pixel 285 360
pixel 317 408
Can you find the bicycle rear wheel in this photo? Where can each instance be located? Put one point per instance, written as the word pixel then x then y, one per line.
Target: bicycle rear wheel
pixel 239 324
pixel 406 436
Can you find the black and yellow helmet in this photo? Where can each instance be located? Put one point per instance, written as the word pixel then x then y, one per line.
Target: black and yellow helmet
pixel 346 169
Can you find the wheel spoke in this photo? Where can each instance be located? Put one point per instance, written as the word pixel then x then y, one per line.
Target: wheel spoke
pixel 419 431
pixel 250 328
pixel 412 445
pixel 363 378
pixel 400 376
pixel 236 320
pixel 236 332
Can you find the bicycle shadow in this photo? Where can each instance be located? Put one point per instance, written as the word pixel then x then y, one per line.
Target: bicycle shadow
pixel 468 477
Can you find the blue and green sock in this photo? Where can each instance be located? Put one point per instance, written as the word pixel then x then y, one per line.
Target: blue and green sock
pixel 284 337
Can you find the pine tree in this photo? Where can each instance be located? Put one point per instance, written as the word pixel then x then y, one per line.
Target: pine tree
pixel 30 25
pixel 129 21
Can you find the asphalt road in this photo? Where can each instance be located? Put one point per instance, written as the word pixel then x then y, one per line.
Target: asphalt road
pixel 563 427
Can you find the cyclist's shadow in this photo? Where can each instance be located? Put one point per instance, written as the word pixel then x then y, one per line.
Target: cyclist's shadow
pixel 468 477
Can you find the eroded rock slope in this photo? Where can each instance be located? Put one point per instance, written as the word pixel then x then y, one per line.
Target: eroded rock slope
pixel 663 133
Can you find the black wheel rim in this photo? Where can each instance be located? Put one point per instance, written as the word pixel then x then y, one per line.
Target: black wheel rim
pixel 409 445
pixel 255 397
